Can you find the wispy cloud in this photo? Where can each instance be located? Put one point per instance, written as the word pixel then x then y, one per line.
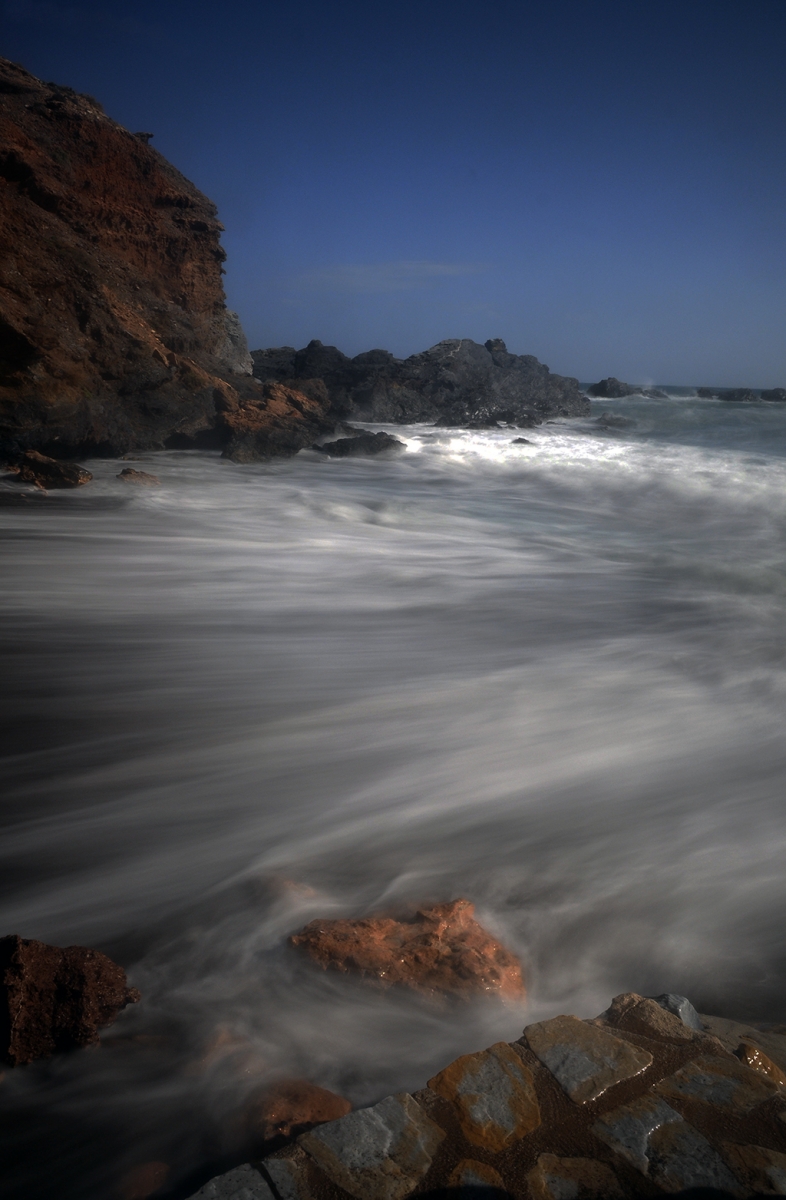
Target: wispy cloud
pixel 367 278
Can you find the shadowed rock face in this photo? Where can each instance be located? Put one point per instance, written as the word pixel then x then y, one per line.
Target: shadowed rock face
pixel 441 951
pixel 114 333
pixel 53 999
pixel 457 382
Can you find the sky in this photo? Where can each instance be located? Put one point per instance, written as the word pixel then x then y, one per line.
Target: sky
pixel 601 184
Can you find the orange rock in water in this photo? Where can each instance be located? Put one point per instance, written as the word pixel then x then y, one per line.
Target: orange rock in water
pixel 290 1107
pixel 440 951
pixel 143 1181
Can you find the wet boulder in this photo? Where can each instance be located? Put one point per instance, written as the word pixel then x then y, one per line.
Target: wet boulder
pixel 289 1108
pixel 364 445
pixel 55 999
pixel 140 478
pixel 440 951
pixel 50 472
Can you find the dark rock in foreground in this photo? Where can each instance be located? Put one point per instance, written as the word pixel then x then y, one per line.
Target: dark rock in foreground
pixel 615 389
pixel 50 472
pixel 441 951
pixel 456 382
pixel 635 1102
pixel 365 445
pixel 53 999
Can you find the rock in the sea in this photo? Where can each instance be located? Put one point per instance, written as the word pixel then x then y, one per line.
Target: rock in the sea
pixel 456 382
pixel 365 445
pixel 494 1096
pixel 278 422
pixel 615 389
pixel 609 420
pixel 114 332
pixel 140 478
pixel 50 472
pixel 53 999
pixel 739 395
pixel 584 1059
pixel 774 394
pixel 440 951
pixel 706 393
pixel 290 1107
pixel 378 1153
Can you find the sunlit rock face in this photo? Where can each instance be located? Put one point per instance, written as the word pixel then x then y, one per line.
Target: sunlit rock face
pixel 114 332
pixel 456 382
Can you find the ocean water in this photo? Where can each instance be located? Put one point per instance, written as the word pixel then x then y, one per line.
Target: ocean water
pixel 548 677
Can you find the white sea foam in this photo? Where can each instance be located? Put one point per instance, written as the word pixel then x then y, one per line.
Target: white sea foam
pixel 546 676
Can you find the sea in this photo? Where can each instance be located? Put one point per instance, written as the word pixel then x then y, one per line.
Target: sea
pixel 548 676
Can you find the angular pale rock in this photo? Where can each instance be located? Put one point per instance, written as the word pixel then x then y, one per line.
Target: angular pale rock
pixel 494 1096
pixel 681 1007
pixel 555 1178
pixel 757 1060
pixel 764 1171
pixel 721 1082
pixel 290 1176
pixel 472 1174
pixel 377 1153
pixel 655 1139
pixel 641 1014
pixel 584 1059
pixel 242 1183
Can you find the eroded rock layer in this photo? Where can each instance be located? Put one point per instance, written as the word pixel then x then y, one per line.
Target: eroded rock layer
pixel 114 333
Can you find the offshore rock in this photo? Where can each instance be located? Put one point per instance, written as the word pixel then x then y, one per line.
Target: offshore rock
pixel 774 394
pixel 53 999
pixel 277 422
pixel 50 473
pixel 365 445
pixel 140 478
pixel 739 395
pixel 615 389
pixel 441 951
pixel 114 332
pixel 456 382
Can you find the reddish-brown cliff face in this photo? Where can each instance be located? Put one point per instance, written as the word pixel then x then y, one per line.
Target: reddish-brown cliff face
pixel 114 333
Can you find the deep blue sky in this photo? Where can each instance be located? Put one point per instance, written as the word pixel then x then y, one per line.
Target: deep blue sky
pixel 602 184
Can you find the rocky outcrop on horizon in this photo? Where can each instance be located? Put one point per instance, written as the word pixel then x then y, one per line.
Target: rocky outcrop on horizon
pixel 114 331
pixel 457 382
pixel 615 389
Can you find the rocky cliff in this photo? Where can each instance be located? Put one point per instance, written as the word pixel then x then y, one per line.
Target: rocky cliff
pixel 114 333
pixel 456 382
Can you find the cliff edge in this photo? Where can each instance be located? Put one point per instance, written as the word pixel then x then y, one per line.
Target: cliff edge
pixel 114 332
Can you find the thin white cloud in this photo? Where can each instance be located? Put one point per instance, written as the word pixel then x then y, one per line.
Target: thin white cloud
pixel 367 278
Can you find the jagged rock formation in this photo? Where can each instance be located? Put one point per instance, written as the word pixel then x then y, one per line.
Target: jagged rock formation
pixel 114 333
pixel 646 1099
pixel 456 382
pixel 615 389
pixel 53 999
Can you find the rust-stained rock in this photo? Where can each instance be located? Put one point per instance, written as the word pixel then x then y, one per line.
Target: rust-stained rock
pixel 140 478
pixel 730 1033
pixel 50 472
pixel 277 422
pixel 494 1096
pixel 655 1139
pixel 640 1014
pixel 53 999
pixel 440 951
pixel 114 332
pixel 378 1153
pixel 755 1058
pixel 143 1181
pixel 471 1174
pixel 290 1107
pixel 554 1178
pixel 584 1059
pixel 762 1171
pixel 721 1082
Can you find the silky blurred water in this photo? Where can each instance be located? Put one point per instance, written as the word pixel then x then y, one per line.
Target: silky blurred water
pixel 549 677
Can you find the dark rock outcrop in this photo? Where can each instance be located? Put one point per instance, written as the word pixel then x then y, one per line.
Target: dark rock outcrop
pixel 53 999
pixel 114 333
pixel 50 472
pixel 615 389
pixel 614 421
pixel 706 393
pixel 441 951
pixel 739 395
pixel 774 394
pixel 277 421
pixel 456 382
pixel 364 445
